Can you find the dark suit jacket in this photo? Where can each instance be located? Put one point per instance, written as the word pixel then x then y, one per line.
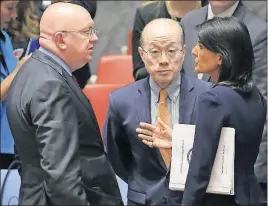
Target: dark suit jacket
pixel 140 166
pixel 220 107
pixel 257 29
pixel 58 139
pixel 144 15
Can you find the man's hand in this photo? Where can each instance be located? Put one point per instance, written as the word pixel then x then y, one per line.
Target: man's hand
pixel 154 136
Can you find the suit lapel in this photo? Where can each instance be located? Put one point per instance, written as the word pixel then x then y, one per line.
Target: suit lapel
pixel 202 17
pixel 187 100
pixel 240 11
pixel 143 102
pixel 80 95
pixel 73 85
pixel 143 111
pixel 76 89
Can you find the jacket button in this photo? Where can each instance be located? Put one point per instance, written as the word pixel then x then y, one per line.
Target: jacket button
pixel 164 200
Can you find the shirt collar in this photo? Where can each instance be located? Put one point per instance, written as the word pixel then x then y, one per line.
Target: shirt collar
pixel 227 13
pixel 173 89
pixel 57 59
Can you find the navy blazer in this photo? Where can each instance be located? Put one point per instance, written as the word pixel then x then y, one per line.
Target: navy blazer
pixel 258 34
pixel 220 107
pixel 140 166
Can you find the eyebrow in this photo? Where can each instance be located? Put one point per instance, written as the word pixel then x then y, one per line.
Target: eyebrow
pixel 88 27
pixel 167 44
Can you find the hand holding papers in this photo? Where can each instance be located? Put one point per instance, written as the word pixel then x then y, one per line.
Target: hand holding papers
pixel 222 176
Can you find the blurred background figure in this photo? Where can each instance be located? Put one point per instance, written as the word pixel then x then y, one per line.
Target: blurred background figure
pixel 152 10
pixel 8 65
pixel 25 26
pixel 259 8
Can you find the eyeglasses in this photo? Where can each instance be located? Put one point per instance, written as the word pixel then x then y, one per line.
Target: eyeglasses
pixel 88 33
pixel 157 53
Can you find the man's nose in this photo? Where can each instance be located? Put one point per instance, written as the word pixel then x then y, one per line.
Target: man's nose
pixel 94 38
pixel 163 58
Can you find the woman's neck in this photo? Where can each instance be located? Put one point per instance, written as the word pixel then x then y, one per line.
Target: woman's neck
pixel 214 75
pixel 180 8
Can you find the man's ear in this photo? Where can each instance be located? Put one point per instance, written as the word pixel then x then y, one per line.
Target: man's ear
pixel 184 50
pixel 141 52
pixel 59 40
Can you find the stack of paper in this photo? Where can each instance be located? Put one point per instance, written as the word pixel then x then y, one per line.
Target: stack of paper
pixel 222 176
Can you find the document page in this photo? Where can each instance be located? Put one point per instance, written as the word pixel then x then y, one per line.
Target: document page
pixel 222 176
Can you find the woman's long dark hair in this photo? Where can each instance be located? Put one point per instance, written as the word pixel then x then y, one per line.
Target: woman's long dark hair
pixel 230 38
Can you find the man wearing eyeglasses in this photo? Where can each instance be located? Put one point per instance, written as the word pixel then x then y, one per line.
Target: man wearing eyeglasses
pixel 167 94
pixel 54 127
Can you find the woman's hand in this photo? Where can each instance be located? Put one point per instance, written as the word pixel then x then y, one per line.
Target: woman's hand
pixel 155 136
pixel 21 62
pixel 5 84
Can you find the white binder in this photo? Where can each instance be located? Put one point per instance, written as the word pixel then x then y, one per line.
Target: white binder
pixel 222 176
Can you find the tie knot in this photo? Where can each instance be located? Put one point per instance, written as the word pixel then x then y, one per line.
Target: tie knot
pixel 163 95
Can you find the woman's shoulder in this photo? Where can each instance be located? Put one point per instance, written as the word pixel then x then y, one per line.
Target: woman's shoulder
pixel 217 93
pixel 221 90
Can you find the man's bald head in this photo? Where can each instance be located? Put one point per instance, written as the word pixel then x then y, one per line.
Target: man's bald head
pixel 67 31
pixel 161 27
pixel 162 50
pixel 61 17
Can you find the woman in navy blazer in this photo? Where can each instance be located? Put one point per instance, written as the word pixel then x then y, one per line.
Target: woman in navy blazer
pixel 224 51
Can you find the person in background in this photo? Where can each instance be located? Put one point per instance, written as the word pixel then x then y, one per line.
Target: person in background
pixel 166 93
pixel 25 26
pixel 259 8
pixel 5 84
pixel 258 34
pixel 224 52
pixel 8 65
pixel 149 11
pixel 54 126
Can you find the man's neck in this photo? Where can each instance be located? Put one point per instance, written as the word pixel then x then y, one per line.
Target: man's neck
pixel 180 8
pixel 217 11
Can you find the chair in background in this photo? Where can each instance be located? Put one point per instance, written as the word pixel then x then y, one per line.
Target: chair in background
pixel 98 94
pixel 129 43
pixel 115 69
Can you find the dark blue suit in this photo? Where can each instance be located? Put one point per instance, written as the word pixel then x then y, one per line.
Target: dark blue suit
pixel 140 166
pixel 220 107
